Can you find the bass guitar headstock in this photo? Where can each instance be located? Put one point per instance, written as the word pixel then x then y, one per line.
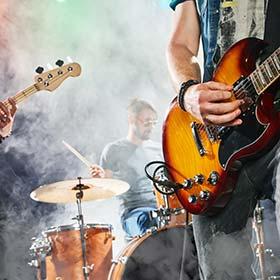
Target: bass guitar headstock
pixel 50 80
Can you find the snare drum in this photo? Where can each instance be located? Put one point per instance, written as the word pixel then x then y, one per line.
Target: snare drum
pixel 63 260
pixel 163 254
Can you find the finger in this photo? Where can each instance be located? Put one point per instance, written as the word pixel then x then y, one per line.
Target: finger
pixel 5 119
pixel 2 124
pixel 222 119
pixel 220 86
pixel 219 95
pixel 234 123
pixel 223 108
pixel 13 105
pixel 4 109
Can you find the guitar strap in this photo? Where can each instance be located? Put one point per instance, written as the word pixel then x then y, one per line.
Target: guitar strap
pixel 271 35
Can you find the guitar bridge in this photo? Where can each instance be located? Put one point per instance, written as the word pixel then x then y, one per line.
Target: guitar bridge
pixel 197 140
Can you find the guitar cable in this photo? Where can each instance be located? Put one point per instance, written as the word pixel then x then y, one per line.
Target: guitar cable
pixel 164 186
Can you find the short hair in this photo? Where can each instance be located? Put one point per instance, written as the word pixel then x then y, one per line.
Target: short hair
pixel 136 106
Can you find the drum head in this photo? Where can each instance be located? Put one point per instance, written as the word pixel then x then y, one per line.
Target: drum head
pixel 164 256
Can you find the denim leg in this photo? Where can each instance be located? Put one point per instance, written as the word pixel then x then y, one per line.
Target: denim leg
pixel 223 241
pixel 137 221
pixel 265 174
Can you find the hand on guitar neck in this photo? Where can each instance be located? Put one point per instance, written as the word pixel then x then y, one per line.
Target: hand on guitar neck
pixel 7 114
pixel 211 103
pixel 48 81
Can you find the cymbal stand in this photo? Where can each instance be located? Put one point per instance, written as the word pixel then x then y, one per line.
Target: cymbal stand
pixel 259 246
pixel 80 218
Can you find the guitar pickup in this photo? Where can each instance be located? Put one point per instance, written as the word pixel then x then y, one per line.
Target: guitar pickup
pixel 197 140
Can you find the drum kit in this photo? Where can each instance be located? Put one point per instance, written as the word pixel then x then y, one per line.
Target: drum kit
pixel 84 251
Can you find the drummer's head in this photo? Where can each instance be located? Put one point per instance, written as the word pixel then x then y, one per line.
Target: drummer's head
pixel 142 117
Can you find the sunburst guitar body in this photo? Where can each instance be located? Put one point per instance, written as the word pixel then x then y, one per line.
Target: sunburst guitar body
pixel 206 160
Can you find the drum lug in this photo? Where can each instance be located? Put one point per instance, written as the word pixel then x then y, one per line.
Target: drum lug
pixel 122 260
pixel 151 230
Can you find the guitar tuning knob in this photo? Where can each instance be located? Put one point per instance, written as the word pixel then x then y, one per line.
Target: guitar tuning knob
pixel 39 70
pixel 69 59
pixel 59 62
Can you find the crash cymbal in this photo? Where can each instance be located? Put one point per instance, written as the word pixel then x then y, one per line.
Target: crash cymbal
pixel 93 189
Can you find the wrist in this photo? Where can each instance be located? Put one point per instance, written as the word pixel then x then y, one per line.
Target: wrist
pixel 183 89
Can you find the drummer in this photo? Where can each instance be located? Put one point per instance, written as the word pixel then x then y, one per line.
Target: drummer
pixel 125 159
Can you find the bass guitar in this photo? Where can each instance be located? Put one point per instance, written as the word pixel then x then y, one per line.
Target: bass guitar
pixel 204 160
pixel 49 80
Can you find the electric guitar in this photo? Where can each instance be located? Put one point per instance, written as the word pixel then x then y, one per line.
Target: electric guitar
pixel 205 159
pixel 48 80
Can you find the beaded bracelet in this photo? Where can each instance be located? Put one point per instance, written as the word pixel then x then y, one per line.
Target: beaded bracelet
pixel 183 89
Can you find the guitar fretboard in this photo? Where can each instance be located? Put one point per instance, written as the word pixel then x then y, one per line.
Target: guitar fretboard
pixel 266 73
pixel 22 95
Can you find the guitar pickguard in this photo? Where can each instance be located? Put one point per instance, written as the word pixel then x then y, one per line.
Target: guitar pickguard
pixel 240 136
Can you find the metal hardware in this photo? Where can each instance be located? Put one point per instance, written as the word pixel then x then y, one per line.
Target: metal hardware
pixel 192 199
pixel 188 183
pixel 197 139
pixel 213 178
pixel 204 195
pixel 199 179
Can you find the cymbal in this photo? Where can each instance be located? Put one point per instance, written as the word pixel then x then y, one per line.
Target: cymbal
pixel 93 189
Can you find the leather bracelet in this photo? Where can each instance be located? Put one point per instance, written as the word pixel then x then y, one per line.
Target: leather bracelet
pixel 184 87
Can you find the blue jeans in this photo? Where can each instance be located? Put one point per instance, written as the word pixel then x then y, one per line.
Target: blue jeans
pixel 223 241
pixel 137 221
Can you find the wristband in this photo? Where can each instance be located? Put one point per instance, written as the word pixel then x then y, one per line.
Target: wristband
pixel 184 87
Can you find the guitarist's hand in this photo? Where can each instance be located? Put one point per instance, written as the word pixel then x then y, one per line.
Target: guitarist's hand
pixel 7 117
pixel 210 103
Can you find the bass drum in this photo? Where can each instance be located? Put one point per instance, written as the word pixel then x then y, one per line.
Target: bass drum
pixel 164 254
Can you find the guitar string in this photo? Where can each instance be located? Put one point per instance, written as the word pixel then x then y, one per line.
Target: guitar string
pixel 249 87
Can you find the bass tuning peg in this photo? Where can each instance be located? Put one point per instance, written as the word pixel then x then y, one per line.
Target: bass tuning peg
pixel 39 70
pixel 59 62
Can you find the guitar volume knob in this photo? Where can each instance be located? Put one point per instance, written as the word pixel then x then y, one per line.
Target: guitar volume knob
pixel 199 179
pixel 188 183
pixel 213 178
pixel 192 199
pixel 204 195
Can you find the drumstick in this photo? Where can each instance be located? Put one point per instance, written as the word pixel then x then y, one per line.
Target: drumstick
pixel 77 154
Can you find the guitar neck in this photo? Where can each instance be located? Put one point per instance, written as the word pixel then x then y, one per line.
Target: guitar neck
pixel 22 95
pixel 266 73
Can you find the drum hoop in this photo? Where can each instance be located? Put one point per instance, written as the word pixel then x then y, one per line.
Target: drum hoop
pixel 76 227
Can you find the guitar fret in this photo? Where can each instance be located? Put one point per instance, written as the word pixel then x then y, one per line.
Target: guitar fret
pixel 265 74
pixel 256 82
pixel 262 76
pixel 268 70
pixel 272 67
pixel 276 61
pixel 25 93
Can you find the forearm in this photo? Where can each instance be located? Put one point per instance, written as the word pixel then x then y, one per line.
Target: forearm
pixel 182 64
pixel 183 45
